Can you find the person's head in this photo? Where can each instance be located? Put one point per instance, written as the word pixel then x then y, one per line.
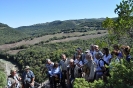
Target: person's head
pixel 63 56
pixel 96 47
pixel 27 68
pixel 88 56
pixel 71 62
pixel 116 47
pixel 115 52
pixel 56 64
pixel 123 47
pixel 13 71
pixel 126 50
pixel 92 47
pixel 48 61
pixel 79 50
pixel 87 51
pixel 78 57
pixel 105 51
pixel 98 55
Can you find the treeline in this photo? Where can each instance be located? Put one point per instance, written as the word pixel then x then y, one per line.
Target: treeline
pixel 68 26
pixel 12 35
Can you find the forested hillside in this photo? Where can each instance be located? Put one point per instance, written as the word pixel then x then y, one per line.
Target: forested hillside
pixel 9 35
pixel 58 26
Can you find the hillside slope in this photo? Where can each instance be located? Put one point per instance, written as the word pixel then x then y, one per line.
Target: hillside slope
pixel 62 26
pixel 10 35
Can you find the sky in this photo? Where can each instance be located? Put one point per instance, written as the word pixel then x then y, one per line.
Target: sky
pixel 16 13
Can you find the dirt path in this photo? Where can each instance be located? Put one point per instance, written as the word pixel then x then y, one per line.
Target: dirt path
pixel 8 66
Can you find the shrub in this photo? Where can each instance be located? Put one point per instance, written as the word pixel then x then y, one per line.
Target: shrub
pixel 121 77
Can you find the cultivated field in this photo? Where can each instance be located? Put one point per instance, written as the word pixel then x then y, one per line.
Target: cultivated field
pixel 89 34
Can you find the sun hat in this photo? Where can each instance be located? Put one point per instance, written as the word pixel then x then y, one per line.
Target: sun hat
pixel 87 51
pixel 71 60
pixel 27 67
pixel 12 70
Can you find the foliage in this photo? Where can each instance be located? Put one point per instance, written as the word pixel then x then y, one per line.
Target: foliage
pixel 9 35
pixel 122 26
pixel 12 35
pixel 81 83
pixel 2 76
pixel 121 77
pixel 68 26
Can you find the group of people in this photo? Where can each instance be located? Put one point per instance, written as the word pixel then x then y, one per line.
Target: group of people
pixel 26 81
pixel 90 65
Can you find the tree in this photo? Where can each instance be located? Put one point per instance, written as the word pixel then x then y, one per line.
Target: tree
pixel 121 26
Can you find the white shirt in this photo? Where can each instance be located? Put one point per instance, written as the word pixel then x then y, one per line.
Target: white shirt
pixel 78 62
pixel 55 71
pixel 94 53
pixel 107 59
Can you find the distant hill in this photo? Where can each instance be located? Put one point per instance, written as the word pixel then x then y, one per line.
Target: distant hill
pixel 62 26
pixel 10 35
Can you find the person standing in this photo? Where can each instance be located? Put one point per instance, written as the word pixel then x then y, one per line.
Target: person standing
pixel 28 78
pixel 72 73
pixel 48 68
pixel 96 50
pixel 64 62
pixel 106 55
pixel 55 75
pixel 79 52
pixel 89 68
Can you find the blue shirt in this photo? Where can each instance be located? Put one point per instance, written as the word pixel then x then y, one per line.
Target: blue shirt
pixel 55 71
pixel 128 57
pixel 27 76
pixel 49 66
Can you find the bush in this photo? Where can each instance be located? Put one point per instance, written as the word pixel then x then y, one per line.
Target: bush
pixel 2 79
pixel 121 77
pixel 99 33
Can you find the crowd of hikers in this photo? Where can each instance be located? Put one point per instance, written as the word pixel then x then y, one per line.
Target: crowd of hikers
pixel 90 65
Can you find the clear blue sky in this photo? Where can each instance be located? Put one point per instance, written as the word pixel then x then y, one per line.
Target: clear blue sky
pixel 17 13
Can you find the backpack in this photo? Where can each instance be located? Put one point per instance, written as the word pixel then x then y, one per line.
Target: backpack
pixel 107 69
